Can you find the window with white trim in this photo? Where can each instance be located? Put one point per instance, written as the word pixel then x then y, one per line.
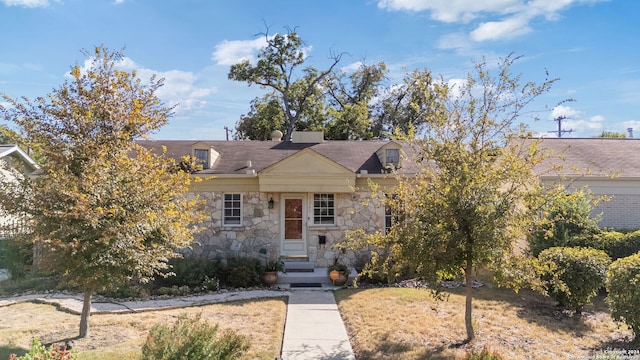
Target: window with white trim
pixel 232 210
pixel 323 209
pixel 389 217
pixel 392 157
pixel 202 157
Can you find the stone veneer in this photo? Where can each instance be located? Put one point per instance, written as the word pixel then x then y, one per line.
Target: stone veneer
pixel 260 228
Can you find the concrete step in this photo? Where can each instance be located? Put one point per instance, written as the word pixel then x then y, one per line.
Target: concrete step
pixel 298 265
pixel 318 275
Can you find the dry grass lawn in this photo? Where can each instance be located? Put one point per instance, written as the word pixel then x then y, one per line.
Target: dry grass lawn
pixel 120 336
pixel 401 323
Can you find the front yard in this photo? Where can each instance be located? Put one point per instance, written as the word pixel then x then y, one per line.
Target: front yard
pixel 402 323
pixel 120 336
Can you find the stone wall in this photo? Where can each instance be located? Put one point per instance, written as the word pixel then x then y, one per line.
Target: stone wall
pixel 260 230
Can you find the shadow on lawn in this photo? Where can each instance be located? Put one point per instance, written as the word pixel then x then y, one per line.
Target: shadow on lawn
pixel 6 350
pixel 391 349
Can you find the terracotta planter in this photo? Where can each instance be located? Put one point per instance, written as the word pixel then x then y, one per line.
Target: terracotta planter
pixel 270 277
pixel 338 278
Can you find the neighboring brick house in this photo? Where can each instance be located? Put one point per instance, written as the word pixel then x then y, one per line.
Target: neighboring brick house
pixel 608 166
pixel 289 199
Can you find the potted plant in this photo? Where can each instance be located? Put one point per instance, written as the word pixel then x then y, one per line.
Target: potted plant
pixel 338 273
pixel 270 272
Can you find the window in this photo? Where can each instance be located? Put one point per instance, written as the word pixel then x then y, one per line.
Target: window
pixel 392 157
pixel 232 209
pixel 323 209
pixel 389 217
pixel 202 157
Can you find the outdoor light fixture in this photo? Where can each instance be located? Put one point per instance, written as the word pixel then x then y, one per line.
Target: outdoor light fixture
pixel 271 203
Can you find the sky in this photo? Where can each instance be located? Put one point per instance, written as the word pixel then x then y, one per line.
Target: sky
pixel 590 45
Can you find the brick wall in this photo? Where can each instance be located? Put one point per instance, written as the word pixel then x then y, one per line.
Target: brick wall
pixel 621 211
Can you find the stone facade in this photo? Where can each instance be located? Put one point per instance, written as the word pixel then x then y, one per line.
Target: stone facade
pixel 259 234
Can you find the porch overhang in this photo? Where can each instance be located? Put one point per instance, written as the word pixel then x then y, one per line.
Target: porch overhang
pixel 331 183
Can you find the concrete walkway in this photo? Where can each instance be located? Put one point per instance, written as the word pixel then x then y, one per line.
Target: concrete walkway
pixel 314 328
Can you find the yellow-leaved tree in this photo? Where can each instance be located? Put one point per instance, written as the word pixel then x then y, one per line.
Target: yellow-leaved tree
pixel 476 192
pixel 103 210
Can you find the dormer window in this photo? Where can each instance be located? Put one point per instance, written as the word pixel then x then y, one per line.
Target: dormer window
pixel 202 157
pixel 392 158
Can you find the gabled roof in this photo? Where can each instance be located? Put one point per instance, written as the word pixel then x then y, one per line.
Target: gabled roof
pixel 11 153
pixel 355 156
pixel 595 157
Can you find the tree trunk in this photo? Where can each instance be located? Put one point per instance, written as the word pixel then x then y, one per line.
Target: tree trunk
pixel 468 272
pixel 86 311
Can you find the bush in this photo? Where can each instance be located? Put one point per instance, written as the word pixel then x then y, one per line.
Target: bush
pixel 567 219
pixel 192 338
pixel 16 256
pixel 485 354
pixel 620 245
pixel 623 285
pixel 572 276
pixel 189 272
pixel 242 272
pixel 41 352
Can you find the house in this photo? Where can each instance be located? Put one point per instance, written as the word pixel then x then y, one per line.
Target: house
pixel 14 163
pixel 294 200
pixel 607 166
pixel 288 200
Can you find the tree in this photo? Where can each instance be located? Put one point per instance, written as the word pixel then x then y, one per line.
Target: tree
pixel 611 134
pixel 278 68
pixel 105 210
pixel 474 195
pixel 405 108
pixel 264 117
pixel 350 99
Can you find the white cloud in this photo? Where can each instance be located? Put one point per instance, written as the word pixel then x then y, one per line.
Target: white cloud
pixel 179 86
pixel 118 2
pixel 451 10
pixel 231 52
pixel 634 125
pixel 26 3
pixel 576 122
pixel 565 111
pixel 509 28
pixel 352 67
pixel 505 19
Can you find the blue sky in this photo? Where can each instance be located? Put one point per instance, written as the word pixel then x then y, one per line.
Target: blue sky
pixel 591 45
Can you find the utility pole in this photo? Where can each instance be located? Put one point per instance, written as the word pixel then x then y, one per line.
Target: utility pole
pixel 227 130
pixel 560 130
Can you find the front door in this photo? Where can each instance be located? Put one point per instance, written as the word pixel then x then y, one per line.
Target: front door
pixel 293 227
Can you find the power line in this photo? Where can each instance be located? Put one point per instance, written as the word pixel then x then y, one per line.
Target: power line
pixel 560 130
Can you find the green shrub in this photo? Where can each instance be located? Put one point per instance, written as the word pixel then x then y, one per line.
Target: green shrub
pixel 615 243
pixel 567 219
pixel 41 352
pixel 16 256
pixel 485 354
pixel 243 272
pixel 189 272
pixel 572 276
pixel 623 286
pixel 192 338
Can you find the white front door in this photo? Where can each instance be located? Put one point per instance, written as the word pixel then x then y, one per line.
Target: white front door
pixel 293 225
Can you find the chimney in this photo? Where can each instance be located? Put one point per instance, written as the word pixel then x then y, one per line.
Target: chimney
pixel 276 135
